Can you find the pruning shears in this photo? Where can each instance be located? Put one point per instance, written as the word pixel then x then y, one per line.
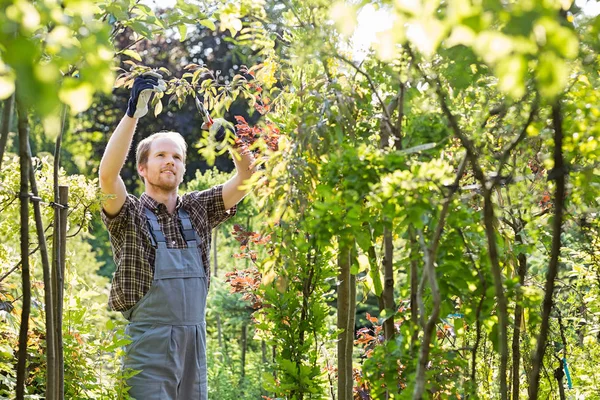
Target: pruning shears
pixel 208 121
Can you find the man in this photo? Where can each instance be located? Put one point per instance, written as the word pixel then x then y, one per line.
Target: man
pixel 161 245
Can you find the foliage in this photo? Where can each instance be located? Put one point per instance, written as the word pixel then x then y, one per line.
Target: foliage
pixel 440 143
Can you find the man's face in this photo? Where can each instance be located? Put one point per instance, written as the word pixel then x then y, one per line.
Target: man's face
pixel 165 168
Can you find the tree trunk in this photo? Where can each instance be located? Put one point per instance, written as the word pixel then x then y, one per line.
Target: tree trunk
pixel 57 262
pixel 48 296
pixel 414 287
pixel 489 218
pixel 244 348
pixel 343 318
pixel 7 113
pixel 388 284
pixel 516 342
pixel 24 196
pixel 558 174
pixel 58 266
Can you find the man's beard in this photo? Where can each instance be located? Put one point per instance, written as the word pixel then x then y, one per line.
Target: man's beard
pixel 162 185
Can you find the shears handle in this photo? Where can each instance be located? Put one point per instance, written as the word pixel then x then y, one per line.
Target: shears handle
pixel 208 121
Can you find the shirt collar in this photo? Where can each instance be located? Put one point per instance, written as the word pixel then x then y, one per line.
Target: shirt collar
pixel 155 206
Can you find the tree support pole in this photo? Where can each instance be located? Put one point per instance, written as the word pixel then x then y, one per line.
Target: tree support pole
pixel 24 198
pixel 48 296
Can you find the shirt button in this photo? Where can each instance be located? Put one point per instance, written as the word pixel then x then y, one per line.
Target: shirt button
pixel 173 243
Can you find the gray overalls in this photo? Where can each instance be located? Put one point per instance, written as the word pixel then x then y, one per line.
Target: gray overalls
pixel 167 325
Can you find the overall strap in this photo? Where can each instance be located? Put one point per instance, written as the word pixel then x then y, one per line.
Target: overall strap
pixel 156 235
pixel 188 231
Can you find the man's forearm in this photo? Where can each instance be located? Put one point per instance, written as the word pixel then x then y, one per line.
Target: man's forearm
pixel 233 189
pixel 117 148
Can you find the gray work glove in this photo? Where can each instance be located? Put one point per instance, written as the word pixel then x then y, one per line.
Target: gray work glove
pixel 141 92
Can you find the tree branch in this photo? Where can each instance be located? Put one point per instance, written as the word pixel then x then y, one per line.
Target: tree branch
pixel 558 173
pixel 387 117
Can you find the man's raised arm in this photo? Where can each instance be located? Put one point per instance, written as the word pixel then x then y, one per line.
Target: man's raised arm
pixel 233 189
pixel 118 145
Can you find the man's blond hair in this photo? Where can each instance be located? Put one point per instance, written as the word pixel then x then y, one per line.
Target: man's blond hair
pixel 143 147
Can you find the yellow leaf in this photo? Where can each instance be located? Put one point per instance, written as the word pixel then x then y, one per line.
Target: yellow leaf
pixel 132 54
pixel 158 108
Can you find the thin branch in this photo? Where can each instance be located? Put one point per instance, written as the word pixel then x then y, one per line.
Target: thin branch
pixel 558 173
pixel 387 118
pixel 508 150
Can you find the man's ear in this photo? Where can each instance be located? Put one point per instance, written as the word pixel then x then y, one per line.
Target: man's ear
pixel 142 171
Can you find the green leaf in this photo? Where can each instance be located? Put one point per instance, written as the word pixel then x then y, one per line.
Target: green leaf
pixel 182 32
pixel 209 24
pixel 512 73
pixel 552 74
pixel 133 54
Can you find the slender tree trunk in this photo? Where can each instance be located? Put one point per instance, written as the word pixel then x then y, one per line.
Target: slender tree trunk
pixel 558 174
pixel 414 287
pixel 516 342
pixel 7 113
pixel 559 374
pixel 489 218
pixel 376 277
pixel 350 328
pixel 57 262
pixel 343 302
pixel 427 324
pixel 60 252
pixel 388 284
pixel 244 348
pixel 49 310
pixel 24 196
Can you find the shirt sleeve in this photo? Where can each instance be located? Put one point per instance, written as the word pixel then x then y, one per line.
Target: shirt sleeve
pixel 211 201
pixel 116 225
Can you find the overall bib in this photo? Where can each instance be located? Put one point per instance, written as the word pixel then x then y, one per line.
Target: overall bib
pixel 167 326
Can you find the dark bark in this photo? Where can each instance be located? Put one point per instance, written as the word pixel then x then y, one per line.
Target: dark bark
pixel 414 287
pixel 263 348
pixel 26 287
pixel 428 325
pixel 7 113
pixel 48 297
pixel 58 261
pixel 516 342
pixel 388 284
pixel 350 327
pixel 558 173
pixel 343 300
pixel 490 231
pixel 244 349
pixel 61 240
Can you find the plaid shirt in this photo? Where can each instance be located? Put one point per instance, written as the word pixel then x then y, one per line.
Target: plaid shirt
pixel 133 251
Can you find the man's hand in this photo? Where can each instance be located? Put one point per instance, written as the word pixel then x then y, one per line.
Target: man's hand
pixel 141 91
